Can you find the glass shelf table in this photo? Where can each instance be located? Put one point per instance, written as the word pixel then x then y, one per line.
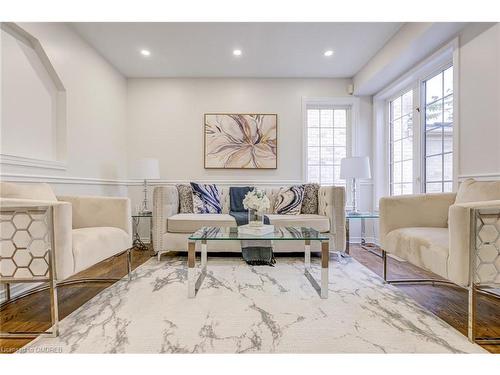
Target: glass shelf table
pixel 136 221
pixel 304 234
pixel 363 216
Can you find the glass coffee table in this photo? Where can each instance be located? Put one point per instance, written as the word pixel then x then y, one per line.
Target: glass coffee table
pixel 306 235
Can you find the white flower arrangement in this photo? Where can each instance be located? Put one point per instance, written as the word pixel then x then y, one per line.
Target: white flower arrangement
pixel 256 200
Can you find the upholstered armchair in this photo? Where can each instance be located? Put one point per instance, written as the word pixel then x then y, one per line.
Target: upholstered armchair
pixel 434 231
pixel 87 230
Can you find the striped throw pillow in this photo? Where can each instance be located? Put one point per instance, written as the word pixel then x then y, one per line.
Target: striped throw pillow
pixel 206 199
pixel 289 200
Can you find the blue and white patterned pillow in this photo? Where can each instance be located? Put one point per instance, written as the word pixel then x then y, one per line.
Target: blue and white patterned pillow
pixel 289 200
pixel 206 199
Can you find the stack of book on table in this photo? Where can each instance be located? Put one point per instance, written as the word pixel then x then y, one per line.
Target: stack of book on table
pixel 256 231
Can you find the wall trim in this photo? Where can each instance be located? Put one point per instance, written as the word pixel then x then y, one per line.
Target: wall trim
pixel 31 178
pixel 31 162
pixel 480 176
pixel 223 182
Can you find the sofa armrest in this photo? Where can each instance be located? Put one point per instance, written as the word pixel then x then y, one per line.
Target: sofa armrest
pixel 422 210
pixel 165 204
pixel 459 239
pixel 100 212
pixel 63 243
pixel 331 203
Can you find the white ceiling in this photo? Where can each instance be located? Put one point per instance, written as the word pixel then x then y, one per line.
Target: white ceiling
pixel 269 49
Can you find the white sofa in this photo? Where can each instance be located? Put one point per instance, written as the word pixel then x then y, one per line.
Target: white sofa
pixel 87 230
pixel 172 229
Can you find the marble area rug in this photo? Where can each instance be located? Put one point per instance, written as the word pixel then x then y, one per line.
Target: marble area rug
pixel 245 309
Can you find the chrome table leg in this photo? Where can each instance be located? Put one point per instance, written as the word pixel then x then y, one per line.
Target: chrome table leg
pixel 322 288
pixel 194 280
pixel 307 254
pixel 325 261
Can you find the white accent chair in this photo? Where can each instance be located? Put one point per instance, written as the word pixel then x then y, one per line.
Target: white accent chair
pixel 433 231
pixel 87 230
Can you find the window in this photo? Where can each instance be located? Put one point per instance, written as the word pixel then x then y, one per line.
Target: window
pixel 420 135
pixel 401 144
pixel 327 133
pixel 414 129
pixel 438 132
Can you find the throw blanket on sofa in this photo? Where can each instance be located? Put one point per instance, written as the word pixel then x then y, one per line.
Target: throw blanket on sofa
pixel 254 252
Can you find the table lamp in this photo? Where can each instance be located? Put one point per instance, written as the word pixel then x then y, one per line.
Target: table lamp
pixel 145 169
pixel 354 168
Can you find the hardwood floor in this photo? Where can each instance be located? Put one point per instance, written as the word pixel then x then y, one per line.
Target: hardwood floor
pixel 447 302
pixel 33 312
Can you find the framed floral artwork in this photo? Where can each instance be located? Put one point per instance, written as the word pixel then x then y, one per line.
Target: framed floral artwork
pixel 241 141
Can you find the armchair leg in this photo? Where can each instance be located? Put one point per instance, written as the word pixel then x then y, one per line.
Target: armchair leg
pixel 129 264
pixel 471 321
pixel 384 265
pixel 472 302
pixel 7 291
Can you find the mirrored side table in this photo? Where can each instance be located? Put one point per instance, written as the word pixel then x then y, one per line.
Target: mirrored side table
pixel 362 216
pixel 137 220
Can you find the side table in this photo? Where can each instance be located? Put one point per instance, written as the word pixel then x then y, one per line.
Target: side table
pixel 136 221
pixel 362 216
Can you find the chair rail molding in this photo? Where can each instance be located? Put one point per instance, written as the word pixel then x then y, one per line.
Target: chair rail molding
pixel 480 176
pixel 34 178
pixel 6 159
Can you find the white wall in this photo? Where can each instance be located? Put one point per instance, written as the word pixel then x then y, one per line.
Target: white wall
pixel 165 121
pixel 96 116
pixel 479 114
pixel 25 79
pixel 413 42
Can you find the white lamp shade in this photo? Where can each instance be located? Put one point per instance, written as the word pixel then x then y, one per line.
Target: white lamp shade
pixel 355 167
pixel 145 169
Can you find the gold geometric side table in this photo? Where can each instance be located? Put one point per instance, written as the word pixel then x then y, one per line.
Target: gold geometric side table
pixel 27 255
pixel 484 263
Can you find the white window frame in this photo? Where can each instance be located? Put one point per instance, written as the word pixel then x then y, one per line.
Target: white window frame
pixel 421 106
pixel 445 56
pixel 349 102
pixel 416 141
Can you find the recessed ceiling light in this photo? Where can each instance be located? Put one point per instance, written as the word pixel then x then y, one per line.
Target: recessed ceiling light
pixel 237 52
pixel 145 52
pixel 328 53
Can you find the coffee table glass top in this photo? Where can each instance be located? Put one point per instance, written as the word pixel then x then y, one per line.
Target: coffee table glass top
pixel 280 233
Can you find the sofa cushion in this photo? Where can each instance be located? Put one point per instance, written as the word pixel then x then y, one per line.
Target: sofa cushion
pixel 310 202
pixel 476 191
pixel 318 222
pixel 190 223
pixel 206 199
pixel 424 247
pixel 289 200
pixel 38 191
pixel 93 244
pixel 185 199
